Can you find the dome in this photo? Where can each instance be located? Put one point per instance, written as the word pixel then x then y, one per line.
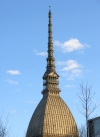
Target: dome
pixel 52 117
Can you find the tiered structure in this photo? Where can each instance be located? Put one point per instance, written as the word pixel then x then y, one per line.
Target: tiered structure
pixel 52 117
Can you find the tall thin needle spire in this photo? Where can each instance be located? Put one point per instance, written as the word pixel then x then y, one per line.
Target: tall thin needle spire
pixel 50 77
pixel 50 58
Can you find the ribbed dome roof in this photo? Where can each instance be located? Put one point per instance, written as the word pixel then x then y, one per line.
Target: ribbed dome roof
pixel 52 117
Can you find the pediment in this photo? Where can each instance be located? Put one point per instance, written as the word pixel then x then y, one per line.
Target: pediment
pixel 53 74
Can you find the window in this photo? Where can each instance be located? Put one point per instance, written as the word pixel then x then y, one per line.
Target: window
pixel 44 87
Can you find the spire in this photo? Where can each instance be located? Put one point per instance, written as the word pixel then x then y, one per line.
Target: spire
pixel 50 58
pixel 50 77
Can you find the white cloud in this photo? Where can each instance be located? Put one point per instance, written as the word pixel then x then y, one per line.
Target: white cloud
pixel 70 68
pixel 31 102
pixel 69 65
pixel 12 110
pixel 11 82
pixel 70 45
pixel 13 72
pixel 40 53
pixel 70 86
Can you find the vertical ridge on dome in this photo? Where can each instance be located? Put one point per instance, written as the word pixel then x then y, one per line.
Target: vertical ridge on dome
pixel 35 127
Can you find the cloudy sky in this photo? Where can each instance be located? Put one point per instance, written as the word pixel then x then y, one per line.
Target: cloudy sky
pixel 23 52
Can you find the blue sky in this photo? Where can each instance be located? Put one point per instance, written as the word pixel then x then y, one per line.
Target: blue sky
pixel 23 52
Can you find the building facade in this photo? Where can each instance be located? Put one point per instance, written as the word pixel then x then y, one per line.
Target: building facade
pixel 94 127
pixel 52 117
